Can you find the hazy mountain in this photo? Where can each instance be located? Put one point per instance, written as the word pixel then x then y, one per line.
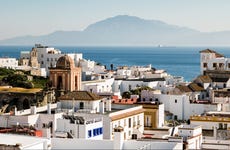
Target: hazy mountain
pixel 126 30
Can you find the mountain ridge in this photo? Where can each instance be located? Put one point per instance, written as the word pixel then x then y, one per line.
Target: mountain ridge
pixel 125 30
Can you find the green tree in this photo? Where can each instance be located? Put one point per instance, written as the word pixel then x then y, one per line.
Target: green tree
pixel 126 94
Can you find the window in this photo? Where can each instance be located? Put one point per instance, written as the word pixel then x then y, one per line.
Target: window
pixel 175 100
pixel 134 122
pixel 124 122
pixel 94 132
pixel 47 59
pixel 205 65
pixel 89 133
pixel 221 65
pixel 214 65
pixel 81 105
pixel 101 130
pixel 228 65
pixel 220 126
pixel 129 122
pixel 97 131
pixel 175 117
pixel 41 55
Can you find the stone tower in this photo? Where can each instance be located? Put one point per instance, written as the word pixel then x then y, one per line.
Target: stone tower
pixel 34 58
pixel 65 76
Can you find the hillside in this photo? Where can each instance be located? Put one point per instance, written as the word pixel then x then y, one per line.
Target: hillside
pixel 126 30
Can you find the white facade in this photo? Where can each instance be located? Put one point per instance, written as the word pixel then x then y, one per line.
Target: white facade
pixel 98 86
pixel 123 72
pixel 212 120
pixel 89 129
pixel 9 63
pixel 30 118
pixel 211 60
pixel 131 118
pixel 184 109
pixel 126 85
pixel 191 134
pixel 58 143
pixel 87 65
pixel 92 106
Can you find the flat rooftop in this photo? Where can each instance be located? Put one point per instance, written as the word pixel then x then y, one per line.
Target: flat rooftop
pixel 22 140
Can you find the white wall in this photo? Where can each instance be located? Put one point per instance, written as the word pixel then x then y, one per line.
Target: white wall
pixel 9 63
pixel 161 117
pixel 88 105
pixel 98 86
pixel 108 144
pixel 133 144
pixel 184 109
pixel 59 143
pixel 80 130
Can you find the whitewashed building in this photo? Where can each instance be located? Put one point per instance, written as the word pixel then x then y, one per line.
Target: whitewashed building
pixel 31 117
pixel 79 127
pixel 8 63
pixel 98 86
pixel 89 105
pixel 123 85
pixel 184 107
pixel 81 101
pixel 211 60
pixel 48 56
pixel 118 143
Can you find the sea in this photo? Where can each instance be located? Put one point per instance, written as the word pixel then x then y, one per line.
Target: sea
pixel 177 61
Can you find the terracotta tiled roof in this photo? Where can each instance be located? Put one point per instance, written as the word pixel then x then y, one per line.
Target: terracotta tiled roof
pixel 124 101
pixel 195 87
pixel 212 51
pixel 205 79
pixel 183 88
pixel 80 95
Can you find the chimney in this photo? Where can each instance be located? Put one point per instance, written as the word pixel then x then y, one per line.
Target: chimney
pixel 33 110
pixel 101 107
pixel 49 108
pixel 118 138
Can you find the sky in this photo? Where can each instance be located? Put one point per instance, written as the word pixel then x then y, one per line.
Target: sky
pixel 40 17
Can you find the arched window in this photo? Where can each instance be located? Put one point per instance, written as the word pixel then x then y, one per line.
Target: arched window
pixel 59 82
